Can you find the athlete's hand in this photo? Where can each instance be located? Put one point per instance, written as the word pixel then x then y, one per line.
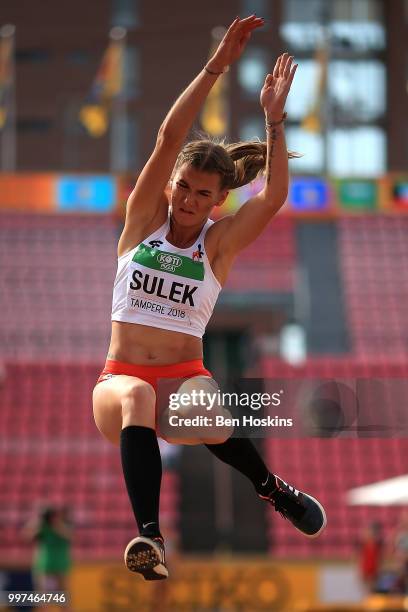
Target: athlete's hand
pixel 234 42
pixel 277 85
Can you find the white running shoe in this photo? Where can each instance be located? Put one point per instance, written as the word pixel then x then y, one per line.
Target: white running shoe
pixel 146 556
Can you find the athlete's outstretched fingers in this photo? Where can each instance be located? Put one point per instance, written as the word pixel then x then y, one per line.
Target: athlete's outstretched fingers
pixel 283 64
pixel 241 24
pixel 247 20
pixel 292 74
pixel 232 27
pixel 276 70
pixel 250 23
pixel 268 80
pixel 288 66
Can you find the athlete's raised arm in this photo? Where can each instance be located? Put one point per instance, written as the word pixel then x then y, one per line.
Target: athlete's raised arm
pixel 253 216
pixel 147 197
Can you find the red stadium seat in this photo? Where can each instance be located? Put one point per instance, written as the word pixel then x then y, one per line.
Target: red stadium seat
pixel 374 266
pixel 53 452
pixel 329 468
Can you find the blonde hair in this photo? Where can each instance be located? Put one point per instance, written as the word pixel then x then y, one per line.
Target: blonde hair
pixel 237 163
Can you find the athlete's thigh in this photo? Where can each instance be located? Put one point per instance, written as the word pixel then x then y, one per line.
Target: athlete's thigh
pixel 107 403
pixel 196 400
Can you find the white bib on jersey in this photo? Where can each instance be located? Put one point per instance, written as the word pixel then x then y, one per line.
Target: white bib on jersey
pixel 161 285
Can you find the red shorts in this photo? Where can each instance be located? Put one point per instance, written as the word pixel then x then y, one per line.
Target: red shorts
pixel 151 373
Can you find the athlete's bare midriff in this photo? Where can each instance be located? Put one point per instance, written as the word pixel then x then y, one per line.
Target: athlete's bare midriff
pixel 145 345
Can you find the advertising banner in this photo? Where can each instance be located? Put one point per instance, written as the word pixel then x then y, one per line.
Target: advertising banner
pixel 86 193
pixel 230 583
pixel 309 195
pixel 28 192
pixel 399 194
pixel 357 195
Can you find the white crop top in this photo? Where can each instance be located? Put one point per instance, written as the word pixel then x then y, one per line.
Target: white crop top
pixel 161 285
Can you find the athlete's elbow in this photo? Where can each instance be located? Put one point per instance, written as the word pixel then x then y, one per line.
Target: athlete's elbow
pixel 167 135
pixel 277 199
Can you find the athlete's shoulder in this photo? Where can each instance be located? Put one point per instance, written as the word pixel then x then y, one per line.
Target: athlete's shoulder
pixel 143 231
pixel 218 228
pixel 213 236
pixel 220 225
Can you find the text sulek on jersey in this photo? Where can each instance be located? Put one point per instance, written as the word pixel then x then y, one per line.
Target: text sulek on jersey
pixel 179 293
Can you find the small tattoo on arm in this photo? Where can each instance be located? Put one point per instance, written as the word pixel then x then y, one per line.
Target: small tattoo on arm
pixel 273 134
pixel 268 175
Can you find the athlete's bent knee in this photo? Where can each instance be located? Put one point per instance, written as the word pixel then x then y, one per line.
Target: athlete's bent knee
pixel 138 405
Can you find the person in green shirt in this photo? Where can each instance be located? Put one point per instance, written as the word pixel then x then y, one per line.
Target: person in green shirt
pixel 52 533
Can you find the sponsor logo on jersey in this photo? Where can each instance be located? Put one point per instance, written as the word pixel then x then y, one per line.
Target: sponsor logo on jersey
pixel 179 265
pixel 169 262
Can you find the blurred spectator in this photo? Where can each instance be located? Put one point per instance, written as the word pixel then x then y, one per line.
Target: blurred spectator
pixel 401 554
pixel 371 548
pixel 51 531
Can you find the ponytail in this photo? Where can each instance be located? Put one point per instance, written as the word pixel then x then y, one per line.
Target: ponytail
pixel 250 160
pixel 237 163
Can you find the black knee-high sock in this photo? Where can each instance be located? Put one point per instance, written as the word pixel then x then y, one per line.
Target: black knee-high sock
pixel 142 469
pixel 242 455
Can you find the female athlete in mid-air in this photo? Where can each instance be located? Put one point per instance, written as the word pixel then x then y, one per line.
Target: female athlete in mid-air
pixel 172 263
